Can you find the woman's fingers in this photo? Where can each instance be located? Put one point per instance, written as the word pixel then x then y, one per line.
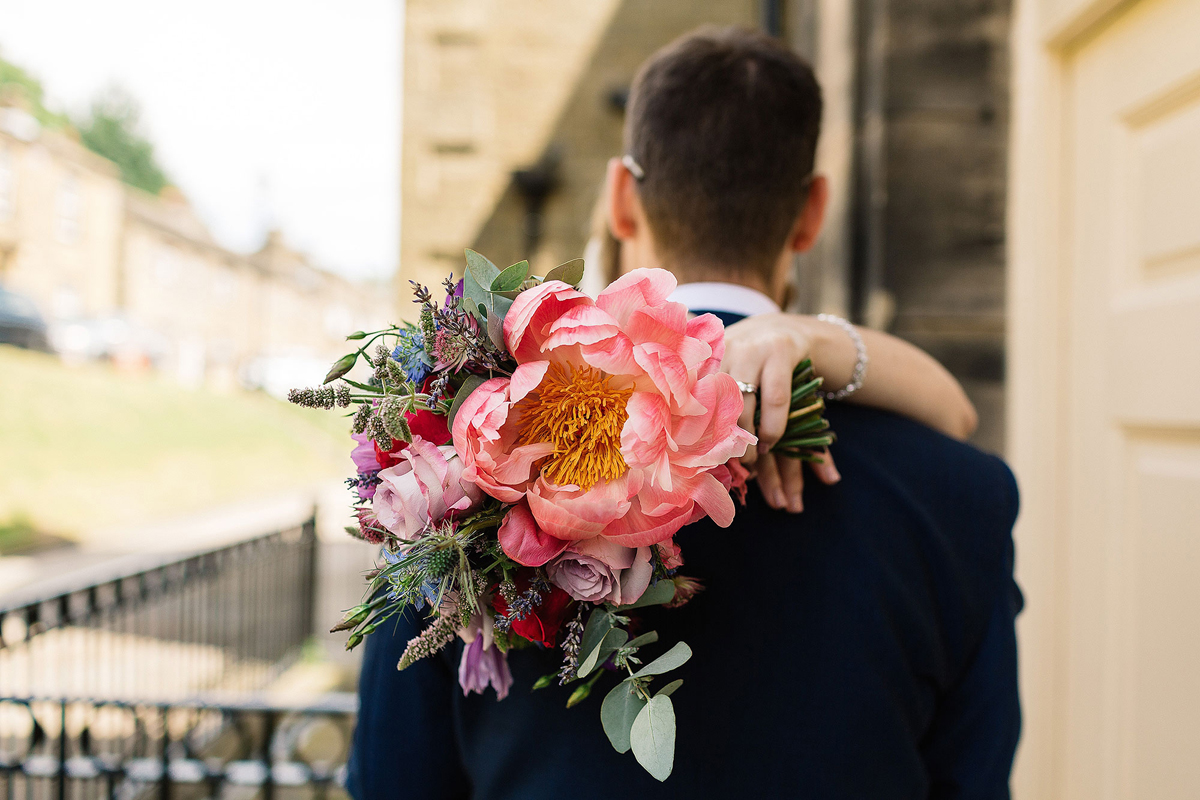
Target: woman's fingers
pixel 746 371
pixel 769 484
pixel 825 470
pixel 775 394
pixel 791 479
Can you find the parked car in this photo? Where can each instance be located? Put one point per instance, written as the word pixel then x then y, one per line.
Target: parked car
pixel 20 322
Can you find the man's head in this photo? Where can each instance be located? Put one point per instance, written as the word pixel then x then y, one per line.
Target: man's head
pixel 722 124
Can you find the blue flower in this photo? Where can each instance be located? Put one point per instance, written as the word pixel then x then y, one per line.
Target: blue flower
pixel 411 356
pixel 429 589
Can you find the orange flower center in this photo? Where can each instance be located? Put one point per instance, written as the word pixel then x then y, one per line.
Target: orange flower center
pixel 578 410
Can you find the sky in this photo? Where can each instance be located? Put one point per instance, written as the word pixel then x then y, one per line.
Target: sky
pixel 281 113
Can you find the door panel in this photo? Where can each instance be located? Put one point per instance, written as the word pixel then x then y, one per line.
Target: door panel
pixel 1132 139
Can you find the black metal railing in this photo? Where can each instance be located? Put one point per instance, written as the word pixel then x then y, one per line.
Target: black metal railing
pixel 147 681
pixel 228 619
pixel 83 749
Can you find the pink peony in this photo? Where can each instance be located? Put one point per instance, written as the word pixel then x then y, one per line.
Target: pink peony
pixel 599 571
pixel 615 420
pixel 425 487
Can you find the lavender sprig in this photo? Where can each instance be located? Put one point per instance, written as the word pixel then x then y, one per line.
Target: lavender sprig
pixel 570 647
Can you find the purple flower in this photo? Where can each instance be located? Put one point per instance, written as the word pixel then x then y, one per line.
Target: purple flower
pixel 363 454
pixel 367 465
pixel 458 292
pixel 599 571
pixel 483 667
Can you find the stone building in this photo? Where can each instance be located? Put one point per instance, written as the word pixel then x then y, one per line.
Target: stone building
pixel 511 113
pixel 61 208
pixel 137 278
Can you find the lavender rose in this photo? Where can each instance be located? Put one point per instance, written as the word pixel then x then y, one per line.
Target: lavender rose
pixel 599 571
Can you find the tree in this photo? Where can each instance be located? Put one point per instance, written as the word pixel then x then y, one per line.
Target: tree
pixel 13 77
pixel 114 131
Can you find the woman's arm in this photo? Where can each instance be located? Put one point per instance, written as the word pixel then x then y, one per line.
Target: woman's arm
pixel 900 377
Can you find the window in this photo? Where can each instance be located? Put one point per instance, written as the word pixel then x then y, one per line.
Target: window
pixel 67 209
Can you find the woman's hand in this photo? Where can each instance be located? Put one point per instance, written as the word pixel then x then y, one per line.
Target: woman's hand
pixel 764 350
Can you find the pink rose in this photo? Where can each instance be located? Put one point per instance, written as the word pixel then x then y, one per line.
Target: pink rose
pixel 426 487
pixel 617 422
pixel 600 571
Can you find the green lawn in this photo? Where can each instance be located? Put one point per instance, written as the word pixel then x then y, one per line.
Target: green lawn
pixel 86 447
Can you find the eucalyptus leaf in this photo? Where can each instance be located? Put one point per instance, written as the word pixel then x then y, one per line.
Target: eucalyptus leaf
pixel 511 279
pixel 476 283
pixel 646 638
pixel 495 330
pixel 656 595
pixel 570 273
pixel 652 737
pixel 611 642
pixel 677 656
pixel 472 383
pixel 499 306
pixel 617 713
pixel 670 688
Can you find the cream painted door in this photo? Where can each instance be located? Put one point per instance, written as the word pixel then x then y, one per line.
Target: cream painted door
pixel 1124 658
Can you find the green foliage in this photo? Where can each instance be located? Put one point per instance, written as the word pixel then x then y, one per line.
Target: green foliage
pixel 13 77
pixel 656 595
pixel 570 273
pixel 652 737
pixel 676 657
pixel 511 279
pixel 620 708
pixel 807 433
pixel 114 131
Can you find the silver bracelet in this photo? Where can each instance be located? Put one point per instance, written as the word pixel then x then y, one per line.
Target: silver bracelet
pixel 860 361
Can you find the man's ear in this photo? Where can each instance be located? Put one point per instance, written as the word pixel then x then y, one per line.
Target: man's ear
pixel 621 201
pixel 811 216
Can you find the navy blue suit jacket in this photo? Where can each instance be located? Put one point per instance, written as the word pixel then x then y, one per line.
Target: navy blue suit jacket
pixel 862 649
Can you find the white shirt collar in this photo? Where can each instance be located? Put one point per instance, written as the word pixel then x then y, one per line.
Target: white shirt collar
pixel 731 298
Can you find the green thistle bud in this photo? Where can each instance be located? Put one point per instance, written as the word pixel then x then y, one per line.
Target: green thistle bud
pixel 439 562
pixel 544 681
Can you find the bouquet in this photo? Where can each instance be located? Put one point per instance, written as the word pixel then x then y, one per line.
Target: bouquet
pixel 525 455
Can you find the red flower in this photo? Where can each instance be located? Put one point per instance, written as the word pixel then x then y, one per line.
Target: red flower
pixel 543 623
pixel 429 426
pixel 391 456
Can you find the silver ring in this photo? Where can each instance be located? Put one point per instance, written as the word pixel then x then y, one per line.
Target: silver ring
pixel 747 388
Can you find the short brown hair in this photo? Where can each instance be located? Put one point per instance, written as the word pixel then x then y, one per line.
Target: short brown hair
pixel 724 124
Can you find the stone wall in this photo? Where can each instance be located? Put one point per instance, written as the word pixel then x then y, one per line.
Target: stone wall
pixel 946 132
